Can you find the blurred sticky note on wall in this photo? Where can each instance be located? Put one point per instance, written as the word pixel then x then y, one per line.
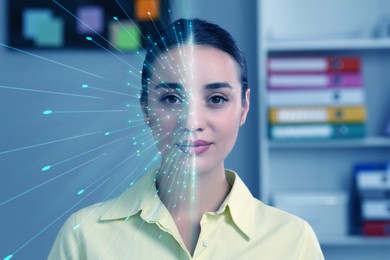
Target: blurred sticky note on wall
pixel 32 17
pixel 125 35
pixel 50 33
pixel 90 19
pixel 147 9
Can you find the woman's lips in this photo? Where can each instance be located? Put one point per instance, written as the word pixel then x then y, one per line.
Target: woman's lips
pixel 195 147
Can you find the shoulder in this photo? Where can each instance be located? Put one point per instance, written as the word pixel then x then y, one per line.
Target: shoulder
pixel 274 219
pixel 289 231
pixel 69 242
pixel 92 213
pixel 278 223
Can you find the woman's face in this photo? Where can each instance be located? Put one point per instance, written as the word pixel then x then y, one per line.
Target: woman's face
pixel 195 106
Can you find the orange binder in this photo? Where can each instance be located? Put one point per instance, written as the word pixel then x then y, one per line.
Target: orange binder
pixel 347 114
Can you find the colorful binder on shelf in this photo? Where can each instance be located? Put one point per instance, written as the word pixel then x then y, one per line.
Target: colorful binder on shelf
pixel 315 98
pixel 314 81
pixel 376 228
pixel 372 188
pixel 345 114
pixel 313 64
pixel 326 97
pixel 315 131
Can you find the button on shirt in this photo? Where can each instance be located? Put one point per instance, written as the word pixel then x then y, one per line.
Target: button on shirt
pixel 137 225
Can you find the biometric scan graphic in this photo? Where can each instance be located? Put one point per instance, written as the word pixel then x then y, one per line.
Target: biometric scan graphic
pixel 80 127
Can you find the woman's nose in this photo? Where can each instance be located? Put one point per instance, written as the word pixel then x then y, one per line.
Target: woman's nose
pixel 193 118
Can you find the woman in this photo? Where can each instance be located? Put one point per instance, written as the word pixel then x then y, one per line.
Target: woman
pixel 194 98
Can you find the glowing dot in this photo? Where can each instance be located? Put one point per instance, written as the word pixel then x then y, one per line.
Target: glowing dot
pixel 134 143
pixel 127 218
pixel 88 38
pixel 76 227
pixel 80 192
pixel 46 168
pixel 115 18
pixel 47 112
pixel 8 257
pixel 159 236
pixel 148 13
pixel 107 133
pixel 131 183
pixel 84 86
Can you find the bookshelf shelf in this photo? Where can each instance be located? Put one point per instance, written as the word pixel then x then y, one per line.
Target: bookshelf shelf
pixel 354 241
pixel 324 165
pixel 327 45
pixel 369 142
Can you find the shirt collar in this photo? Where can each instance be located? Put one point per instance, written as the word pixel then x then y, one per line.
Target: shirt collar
pixel 143 197
pixel 240 204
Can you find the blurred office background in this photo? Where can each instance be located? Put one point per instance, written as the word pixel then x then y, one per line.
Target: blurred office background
pixel 72 134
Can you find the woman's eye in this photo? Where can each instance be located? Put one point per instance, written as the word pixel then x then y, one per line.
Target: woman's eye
pixel 217 100
pixel 171 99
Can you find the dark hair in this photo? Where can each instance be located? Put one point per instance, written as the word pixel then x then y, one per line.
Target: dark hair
pixel 198 32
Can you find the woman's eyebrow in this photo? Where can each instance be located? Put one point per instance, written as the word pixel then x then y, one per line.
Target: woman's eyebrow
pixel 169 86
pixel 218 85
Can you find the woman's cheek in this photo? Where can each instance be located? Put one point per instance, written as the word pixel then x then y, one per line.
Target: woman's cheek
pixel 164 126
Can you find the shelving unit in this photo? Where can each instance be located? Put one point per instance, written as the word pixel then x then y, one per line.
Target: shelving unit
pixel 326 165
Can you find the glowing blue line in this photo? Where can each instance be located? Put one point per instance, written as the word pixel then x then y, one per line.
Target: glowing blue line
pixel 81 21
pixel 76 227
pixel 55 220
pixel 82 111
pixel 122 129
pixel 110 91
pixel 55 62
pixel 48 92
pixel 113 54
pixel 46 182
pixel 48 167
pixel 41 144
pixel 130 19
pixel 47 112
pixel 8 257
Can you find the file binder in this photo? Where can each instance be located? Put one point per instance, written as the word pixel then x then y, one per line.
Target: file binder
pixel 327 97
pixel 346 114
pixel 376 228
pixel 314 81
pixel 313 64
pixel 315 131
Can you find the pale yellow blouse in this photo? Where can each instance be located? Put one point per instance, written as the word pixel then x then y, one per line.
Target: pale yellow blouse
pixel 136 225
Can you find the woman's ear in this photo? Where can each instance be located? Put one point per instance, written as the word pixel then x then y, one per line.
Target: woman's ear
pixel 245 107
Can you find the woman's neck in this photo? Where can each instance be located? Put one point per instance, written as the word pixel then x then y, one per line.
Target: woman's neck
pixel 183 190
pixel 188 195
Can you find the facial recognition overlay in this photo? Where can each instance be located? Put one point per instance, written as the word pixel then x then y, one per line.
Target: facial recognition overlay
pixel 91 141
